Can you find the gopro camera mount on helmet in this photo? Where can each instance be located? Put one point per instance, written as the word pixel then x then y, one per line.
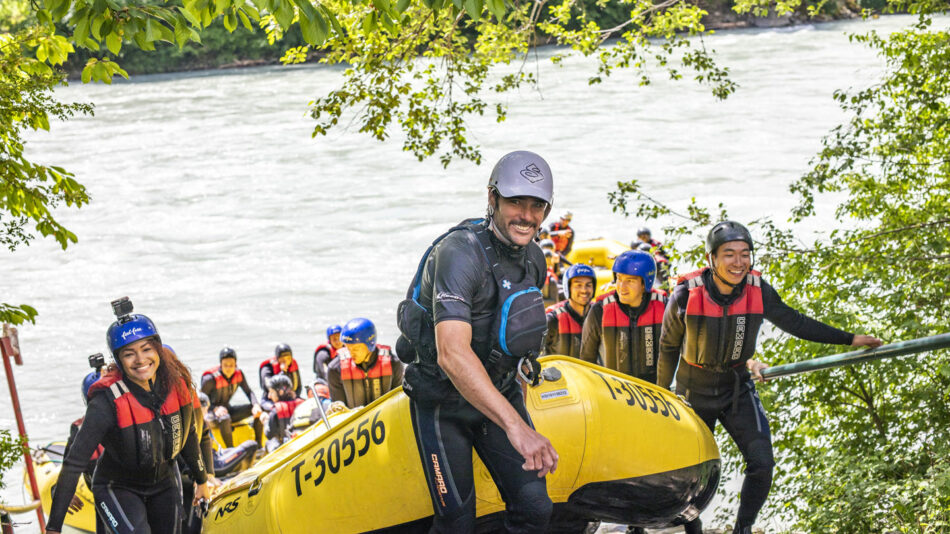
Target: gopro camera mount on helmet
pixel 97 361
pixel 122 308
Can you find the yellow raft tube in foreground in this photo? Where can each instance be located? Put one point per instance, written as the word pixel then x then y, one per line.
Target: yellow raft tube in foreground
pixel 629 451
pixel 47 463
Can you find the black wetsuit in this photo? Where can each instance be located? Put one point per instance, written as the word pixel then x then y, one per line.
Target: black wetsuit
pixel 322 357
pixel 730 396
pixel 127 499
pixel 458 285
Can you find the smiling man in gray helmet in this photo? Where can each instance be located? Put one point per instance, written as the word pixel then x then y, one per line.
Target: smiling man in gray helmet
pixel 469 352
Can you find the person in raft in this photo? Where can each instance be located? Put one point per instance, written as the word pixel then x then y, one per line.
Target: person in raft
pixel 142 413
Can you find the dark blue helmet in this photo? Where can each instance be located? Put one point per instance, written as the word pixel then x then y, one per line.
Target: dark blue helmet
pixel 87 383
pixel 227 352
pixel 637 263
pixel 129 329
pixel 282 348
pixel 359 330
pixel 578 269
pixel 335 329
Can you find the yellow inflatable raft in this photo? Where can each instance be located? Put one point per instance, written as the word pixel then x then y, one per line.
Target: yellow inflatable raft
pixel 629 451
pixel 47 462
pixel 597 252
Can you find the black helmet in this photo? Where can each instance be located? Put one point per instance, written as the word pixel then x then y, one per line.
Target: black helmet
pixel 646 247
pixel 204 400
pixel 227 352
pixel 280 383
pixel 643 230
pixel 727 231
pixel 282 348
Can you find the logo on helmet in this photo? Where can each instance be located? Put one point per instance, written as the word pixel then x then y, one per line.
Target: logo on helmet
pixel 532 173
pixel 130 332
pixel 506 284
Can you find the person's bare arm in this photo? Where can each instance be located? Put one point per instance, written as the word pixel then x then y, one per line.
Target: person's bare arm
pixel 453 341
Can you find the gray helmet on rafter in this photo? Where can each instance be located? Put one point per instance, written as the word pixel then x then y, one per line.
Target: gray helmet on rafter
pixel 725 232
pixel 523 174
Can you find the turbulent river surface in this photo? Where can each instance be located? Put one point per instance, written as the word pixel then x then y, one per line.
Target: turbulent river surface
pixel 215 211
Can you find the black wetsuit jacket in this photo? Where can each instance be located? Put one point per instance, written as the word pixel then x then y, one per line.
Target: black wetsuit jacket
pixel 100 425
pixel 712 383
pixel 458 285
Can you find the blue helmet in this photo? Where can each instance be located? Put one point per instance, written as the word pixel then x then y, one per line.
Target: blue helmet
pixel 578 269
pixel 129 329
pixel 87 383
pixel 637 263
pixel 335 329
pixel 359 330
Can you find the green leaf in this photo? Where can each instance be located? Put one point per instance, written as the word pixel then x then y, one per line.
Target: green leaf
pixel 87 73
pixel 245 21
pixel 230 22
pixel 152 32
pixel 401 5
pixel 114 43
pixel 284 14
pixel 473 8
pixel 190 15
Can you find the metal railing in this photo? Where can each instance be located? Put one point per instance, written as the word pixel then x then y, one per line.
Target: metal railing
pixel 901 348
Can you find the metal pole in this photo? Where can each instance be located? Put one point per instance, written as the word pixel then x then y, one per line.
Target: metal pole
pixel 9 347
pixel 323 413
pixel 901 348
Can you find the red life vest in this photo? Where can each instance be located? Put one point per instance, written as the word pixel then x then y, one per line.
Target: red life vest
pixel 560 240
pixel 149 438
pixel 329 348
pixel 224 387
pixel 285 409
pixel 275 365
pixel 292 372
pixel 632 349
pixel 720 337
pixel 568 330
pixel 362 387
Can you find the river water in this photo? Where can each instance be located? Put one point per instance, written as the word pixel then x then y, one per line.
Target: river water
pixel 215 211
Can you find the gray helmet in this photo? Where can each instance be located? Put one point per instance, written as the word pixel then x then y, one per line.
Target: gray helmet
pixel 643 230
pixel 727 231
pixel 643 246
pixel 546 243
pixel 523 174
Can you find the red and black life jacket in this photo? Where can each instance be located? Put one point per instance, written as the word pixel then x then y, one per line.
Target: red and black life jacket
pixel 561 241
pixel 568 330
pixel 327 347
pixel 632 349
pixel 720 337
pixel 148 437
pixel 224 387
pixel 292 371
pixel 362 387
pixel 285 409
